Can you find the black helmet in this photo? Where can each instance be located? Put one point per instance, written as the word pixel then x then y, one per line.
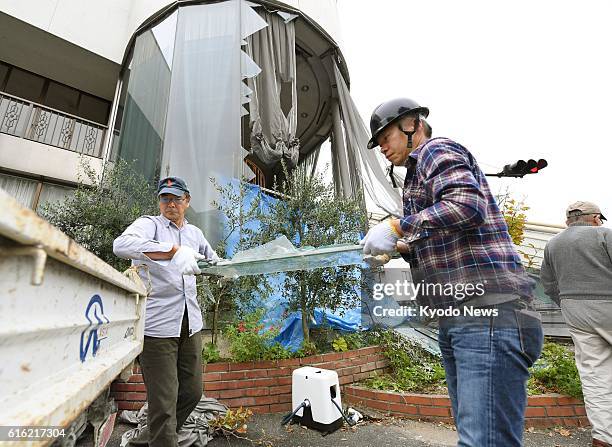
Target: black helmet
pixel 391 111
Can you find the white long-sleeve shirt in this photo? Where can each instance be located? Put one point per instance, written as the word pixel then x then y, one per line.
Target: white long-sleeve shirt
pixel 171 290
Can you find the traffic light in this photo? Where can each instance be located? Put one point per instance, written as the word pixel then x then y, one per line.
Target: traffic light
pixel 522 168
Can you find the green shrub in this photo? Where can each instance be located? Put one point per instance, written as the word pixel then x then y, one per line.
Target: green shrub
pixel 277 352
pixel 323 337
pixel 412 367
pixel 307 348
pixel 340 345
pixel 102 207
pixel 247 341
pixel 356 340
pixel 415 369
pixel 210 353
pixel 555 371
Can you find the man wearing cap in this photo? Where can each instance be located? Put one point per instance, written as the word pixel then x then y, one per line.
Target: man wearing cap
pixel 577 274
pixel 456 237
pixel 171 359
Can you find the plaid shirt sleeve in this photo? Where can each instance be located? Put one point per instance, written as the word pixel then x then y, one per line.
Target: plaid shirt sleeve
pixel 448 178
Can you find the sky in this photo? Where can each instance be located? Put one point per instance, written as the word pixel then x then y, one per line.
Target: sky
pixel 508 80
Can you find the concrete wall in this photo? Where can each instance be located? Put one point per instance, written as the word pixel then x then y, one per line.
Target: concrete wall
pixel 105 27
pixel 21 155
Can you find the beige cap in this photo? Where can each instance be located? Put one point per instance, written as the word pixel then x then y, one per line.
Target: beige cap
pixel 581 208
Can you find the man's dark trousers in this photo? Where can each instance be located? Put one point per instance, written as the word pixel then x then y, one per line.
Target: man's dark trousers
pixel 172 371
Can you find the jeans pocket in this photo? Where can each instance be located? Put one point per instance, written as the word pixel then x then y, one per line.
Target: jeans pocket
pixel 531 336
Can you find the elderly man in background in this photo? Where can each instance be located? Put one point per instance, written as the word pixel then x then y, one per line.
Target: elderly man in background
pixel 577 275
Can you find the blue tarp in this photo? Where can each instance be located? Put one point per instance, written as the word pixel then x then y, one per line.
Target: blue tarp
pixel 292 336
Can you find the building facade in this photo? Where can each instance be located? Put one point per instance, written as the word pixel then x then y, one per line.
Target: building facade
pixel 191 88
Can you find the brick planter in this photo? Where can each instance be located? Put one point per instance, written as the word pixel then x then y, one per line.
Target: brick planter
pixel 264 386
pixel 547 410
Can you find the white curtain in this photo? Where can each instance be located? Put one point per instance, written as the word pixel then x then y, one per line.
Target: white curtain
pixel 20 188
pixel 202 131
pixel 202 138
pixel 273 134
pixel 373 177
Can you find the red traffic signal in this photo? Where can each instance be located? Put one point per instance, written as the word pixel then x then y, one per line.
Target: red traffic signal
pixel 522 168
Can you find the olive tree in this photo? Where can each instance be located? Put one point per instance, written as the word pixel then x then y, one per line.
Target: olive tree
pixel 101 207
pixel 310 214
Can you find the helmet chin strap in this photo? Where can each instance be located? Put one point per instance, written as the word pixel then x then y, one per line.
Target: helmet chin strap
pixel 409 134
pixel 393 182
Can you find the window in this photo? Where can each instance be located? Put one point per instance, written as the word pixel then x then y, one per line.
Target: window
pixel 52 193
pixel 33 194
pixel 29 86
pixel 93 109
pixel 62 98
pixel 4 69
pixel 21 189
pixel 25 85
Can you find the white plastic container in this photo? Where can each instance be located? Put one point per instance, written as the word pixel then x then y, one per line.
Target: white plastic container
pixel 320 387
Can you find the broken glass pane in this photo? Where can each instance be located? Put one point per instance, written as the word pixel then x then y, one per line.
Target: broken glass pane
pixel 281 256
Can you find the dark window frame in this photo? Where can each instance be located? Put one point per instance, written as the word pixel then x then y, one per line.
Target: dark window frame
pixel 43 97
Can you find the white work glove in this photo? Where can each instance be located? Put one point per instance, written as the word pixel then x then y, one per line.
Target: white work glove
pixel 381 239
pixel 376 261
pixel 186 260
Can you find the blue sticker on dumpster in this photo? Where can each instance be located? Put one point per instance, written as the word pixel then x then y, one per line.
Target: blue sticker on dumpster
pixel 94 333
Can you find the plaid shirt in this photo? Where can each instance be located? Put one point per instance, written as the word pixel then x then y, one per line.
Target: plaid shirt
pixel 453 225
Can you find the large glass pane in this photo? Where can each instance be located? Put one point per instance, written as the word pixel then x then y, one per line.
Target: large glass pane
pixel 53 193
pixel 144 116
pixel 94 109
pixel 25 85
pixel 62 98
pixel 3 72
pixel 203 122
pixel 280 255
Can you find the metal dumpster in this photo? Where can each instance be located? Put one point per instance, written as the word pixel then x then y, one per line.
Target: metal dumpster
pixel 69 325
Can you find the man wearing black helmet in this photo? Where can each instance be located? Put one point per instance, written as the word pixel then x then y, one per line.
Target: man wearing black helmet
pixel 456 238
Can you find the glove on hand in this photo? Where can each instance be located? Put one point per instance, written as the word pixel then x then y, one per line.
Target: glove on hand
pixel 186 260
pixel 376 261
pixel 381 239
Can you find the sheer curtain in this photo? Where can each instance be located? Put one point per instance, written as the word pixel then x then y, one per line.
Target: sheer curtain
pixel 202 139
pixel 20 188
pixel 273 134
pixel 373 178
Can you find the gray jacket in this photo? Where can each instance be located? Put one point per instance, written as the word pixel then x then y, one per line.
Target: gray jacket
pixel 578 264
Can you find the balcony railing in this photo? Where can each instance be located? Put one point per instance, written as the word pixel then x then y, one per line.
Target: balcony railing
pixel 32 121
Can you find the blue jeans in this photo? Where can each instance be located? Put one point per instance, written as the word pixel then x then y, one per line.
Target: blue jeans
pixel 486 360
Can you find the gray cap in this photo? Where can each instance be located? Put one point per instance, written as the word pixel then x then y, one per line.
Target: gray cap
pixel 582 208
pixel 172 185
